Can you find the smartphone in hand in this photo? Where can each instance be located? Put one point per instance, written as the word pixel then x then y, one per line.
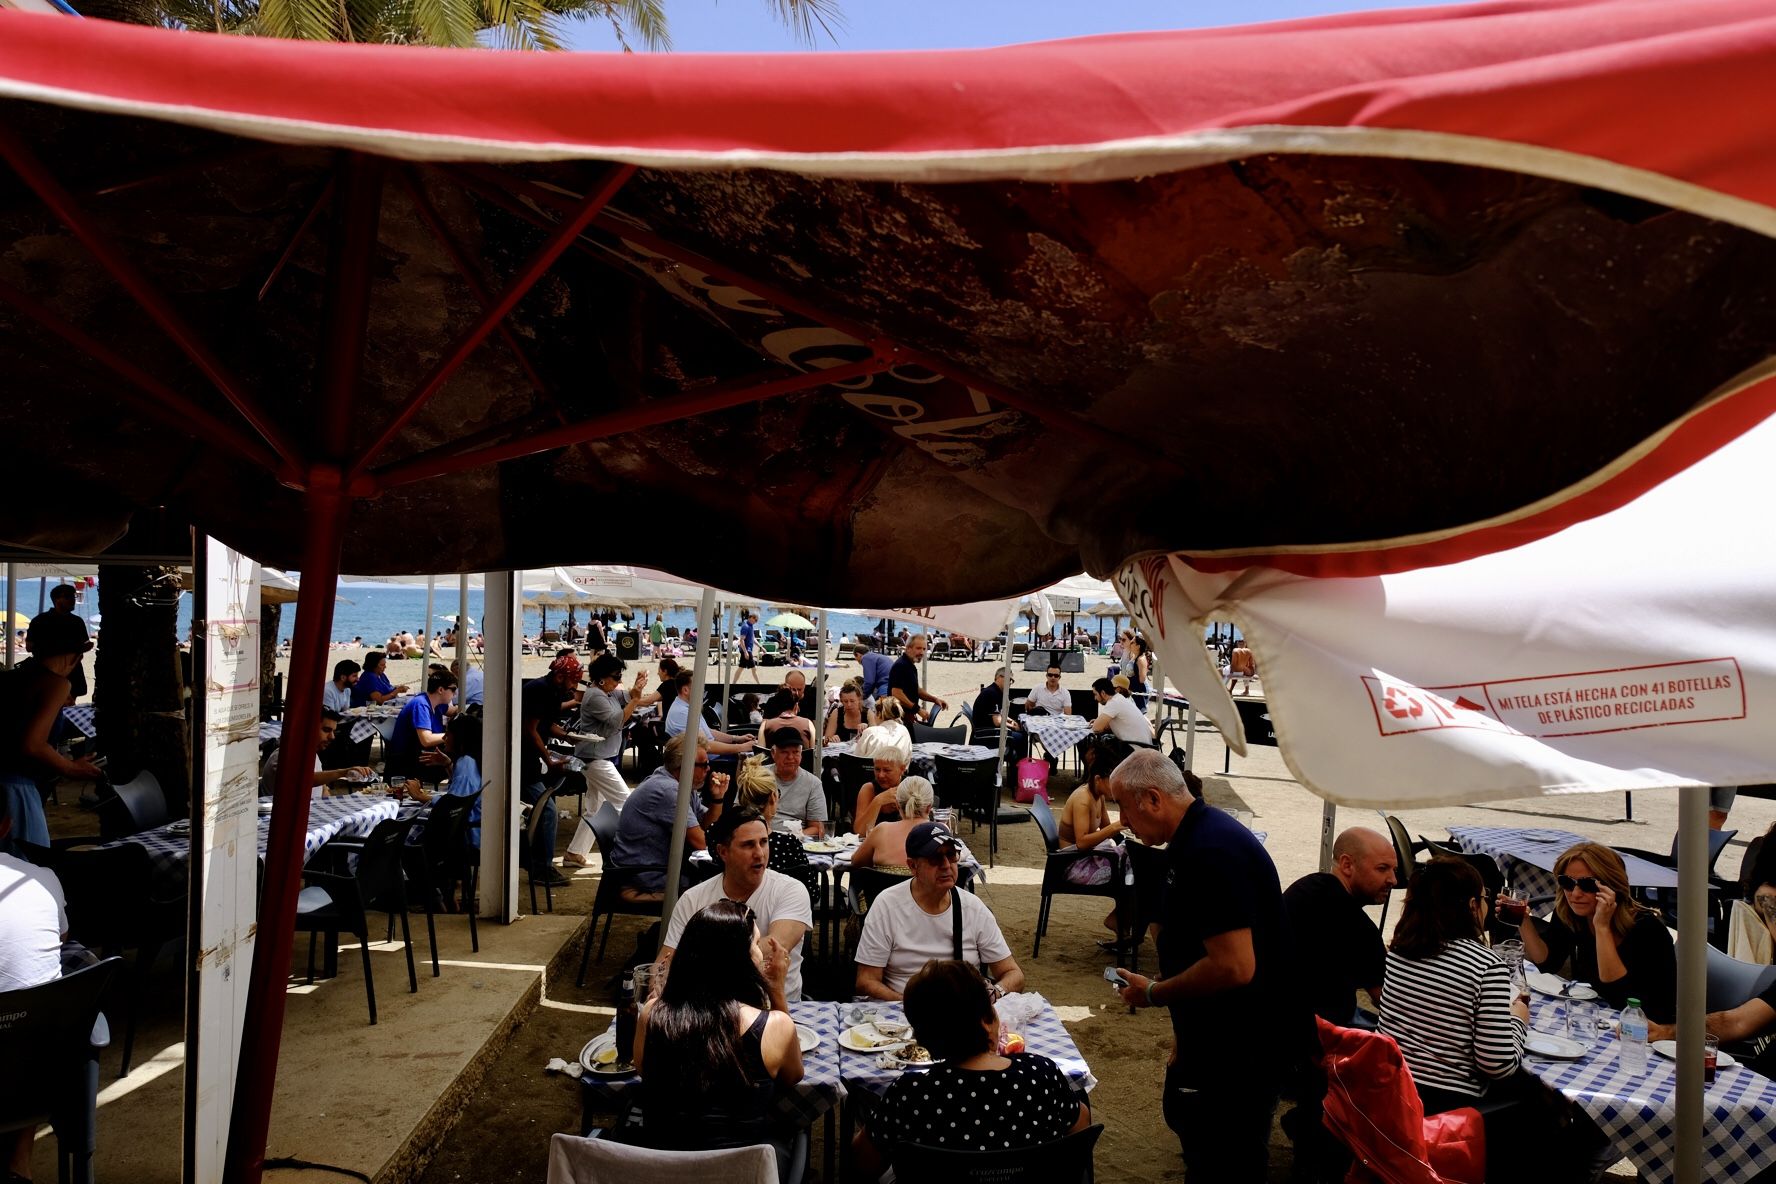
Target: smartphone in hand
pixel 1115 978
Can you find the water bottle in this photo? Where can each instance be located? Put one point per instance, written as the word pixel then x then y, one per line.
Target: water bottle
pixel 626 1015
pixel 1634 1038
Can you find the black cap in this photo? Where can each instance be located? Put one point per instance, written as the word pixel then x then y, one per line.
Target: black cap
pixel 53 633
pixel 785 737
pixel 929 839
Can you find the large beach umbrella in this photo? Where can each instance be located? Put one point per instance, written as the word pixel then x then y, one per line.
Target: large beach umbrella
pixel 1445 274
pixel 788 620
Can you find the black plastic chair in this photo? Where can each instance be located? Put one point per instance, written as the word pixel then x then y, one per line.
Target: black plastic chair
pixel 1054 872
pixel 972 787
pixel 854 773
pixel 440 861
pixel 609 901
pixel 532 818
pixel 52 1053
pixel 925 734
pixel 340 901
pixel 1085 703
pixel 1066 1159
pixel 1147 868
pixel 132 807
pixel 867 883
pixel 1720 892
pixel 1405 856
pixel 112 908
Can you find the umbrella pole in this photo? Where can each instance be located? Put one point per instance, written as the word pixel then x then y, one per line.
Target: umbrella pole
pixel 263 1030
pixel 1692 976
pixel 819 686
pixel 12 613
pixel 1004 726
pixel 462 628
pixel 430 625
pixel 686 766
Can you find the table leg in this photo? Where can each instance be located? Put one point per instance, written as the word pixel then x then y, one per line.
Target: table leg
pixel 847 1128
pixel 830 1155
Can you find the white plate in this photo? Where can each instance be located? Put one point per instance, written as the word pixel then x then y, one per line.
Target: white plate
pixel 589 1057
pixel 1543 983
pixel 823 847
pixel 848 1039
pixel 893 1060
pixel 1668 1048
pixel 808 1037
pixel 1554 1048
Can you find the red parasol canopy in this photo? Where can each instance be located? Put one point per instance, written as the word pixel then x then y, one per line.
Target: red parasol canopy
pixel 1350 294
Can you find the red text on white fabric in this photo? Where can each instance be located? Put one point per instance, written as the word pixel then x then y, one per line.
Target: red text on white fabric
pixel 1547 706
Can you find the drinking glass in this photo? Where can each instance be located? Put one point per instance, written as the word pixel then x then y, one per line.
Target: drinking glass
pixel 649 978
pixel 1512 907
pixel 1581 1022
pixel 1551 1017
pixel 1710 1057
pixel 1512 952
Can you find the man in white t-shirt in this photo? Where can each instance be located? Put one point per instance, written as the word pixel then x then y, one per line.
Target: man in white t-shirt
pixel 268 772
pixel 1117 713
pixel 779 903
pixel 910 924
pixel 33 925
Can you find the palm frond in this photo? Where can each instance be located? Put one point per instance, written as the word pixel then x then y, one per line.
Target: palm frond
pixel 802 17
pixel 646 19
pixel 309 20
pixel 452 23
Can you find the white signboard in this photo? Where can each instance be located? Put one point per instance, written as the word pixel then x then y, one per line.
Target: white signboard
pixel 228 854
pixel 1063 604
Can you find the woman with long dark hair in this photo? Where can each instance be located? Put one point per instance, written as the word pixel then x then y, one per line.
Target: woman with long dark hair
pixel 1448 1002
pixel 712 1053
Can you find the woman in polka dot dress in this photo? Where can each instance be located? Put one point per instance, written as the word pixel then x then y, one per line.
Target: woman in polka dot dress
pixel 974 1099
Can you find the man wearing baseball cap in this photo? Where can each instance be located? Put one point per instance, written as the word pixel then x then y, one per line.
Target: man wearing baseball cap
pixel 31 699
pixel 927 917
pixel 541 705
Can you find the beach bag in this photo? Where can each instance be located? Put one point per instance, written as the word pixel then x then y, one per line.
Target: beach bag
pixel 1032 780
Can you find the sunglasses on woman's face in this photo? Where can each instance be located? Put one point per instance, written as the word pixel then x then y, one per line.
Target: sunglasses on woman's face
pixel 1583 883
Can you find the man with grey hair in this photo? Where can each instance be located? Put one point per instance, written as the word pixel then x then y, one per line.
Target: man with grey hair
pixel 1224 963
pixel 903 682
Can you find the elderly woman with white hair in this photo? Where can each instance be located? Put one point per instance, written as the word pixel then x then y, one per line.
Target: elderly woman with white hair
pixel 889 748
pixel 885 846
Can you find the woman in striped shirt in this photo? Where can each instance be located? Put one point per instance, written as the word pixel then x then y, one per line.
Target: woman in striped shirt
pixel 1447 1001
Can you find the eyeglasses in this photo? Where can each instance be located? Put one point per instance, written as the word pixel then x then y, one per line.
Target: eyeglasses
pixel 699 764
pixel 1583 883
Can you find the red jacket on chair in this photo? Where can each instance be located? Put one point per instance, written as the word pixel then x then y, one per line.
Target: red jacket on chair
pixel 1372 1107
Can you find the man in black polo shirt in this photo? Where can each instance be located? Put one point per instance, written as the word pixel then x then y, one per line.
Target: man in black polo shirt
pixel 903 684
pixel 1338 949
pixel 1224 964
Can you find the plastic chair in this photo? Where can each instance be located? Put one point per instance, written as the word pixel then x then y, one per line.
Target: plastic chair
pixel 439 861
pixel 926 734
pixel 1372 1107
pixel 609 900
pixel 1066 1159
pixel 1085 704
pixel 1732 982
pixel 532 818
pixel 133 807
pixel 970 786
pixel 1719 890
pixel 1054 871
pixel 112 908
pixel 854 773
pixel 335 902
pixel 50 1029
pixel 573 1160
pixel 1147 867
pixel 1405 855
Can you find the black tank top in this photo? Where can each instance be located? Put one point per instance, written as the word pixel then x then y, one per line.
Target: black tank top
pixel 736 1116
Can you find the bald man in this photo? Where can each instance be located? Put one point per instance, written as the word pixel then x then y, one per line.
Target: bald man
pixel 1338 948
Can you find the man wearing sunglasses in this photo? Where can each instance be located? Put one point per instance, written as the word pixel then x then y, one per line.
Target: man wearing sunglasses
pixel 1049 697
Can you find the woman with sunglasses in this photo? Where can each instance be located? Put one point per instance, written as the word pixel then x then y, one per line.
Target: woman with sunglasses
pixel 1599 934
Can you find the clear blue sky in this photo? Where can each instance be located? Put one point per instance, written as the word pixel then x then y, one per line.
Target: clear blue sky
pixel 749 26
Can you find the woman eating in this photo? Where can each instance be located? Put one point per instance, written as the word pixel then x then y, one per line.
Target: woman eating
pixel 1447 1001
pixel 1600 935
pixel 756 788
pixel 1020 1100
pixel 885 847
pixel 846 721
pixel 717 1044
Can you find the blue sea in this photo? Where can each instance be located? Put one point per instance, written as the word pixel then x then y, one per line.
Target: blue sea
pixel 374 612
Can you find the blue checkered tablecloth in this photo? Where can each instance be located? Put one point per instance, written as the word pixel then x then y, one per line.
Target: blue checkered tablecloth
pixel 1057 733
pixel 169 847
pixel 828 860
pixel 1638 1112
pixel 1045 1034
pixel 819 1090
pixel 83 718
pixel 1526 856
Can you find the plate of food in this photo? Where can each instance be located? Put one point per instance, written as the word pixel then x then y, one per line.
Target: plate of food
pixel 179 826
pixel 807 1037
pixel 1553 1048
pixel 600 1057
pixel 909 1056
pixel 823 846
pixel 1668 1049
pixel 880 1036
pixel 1543 983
